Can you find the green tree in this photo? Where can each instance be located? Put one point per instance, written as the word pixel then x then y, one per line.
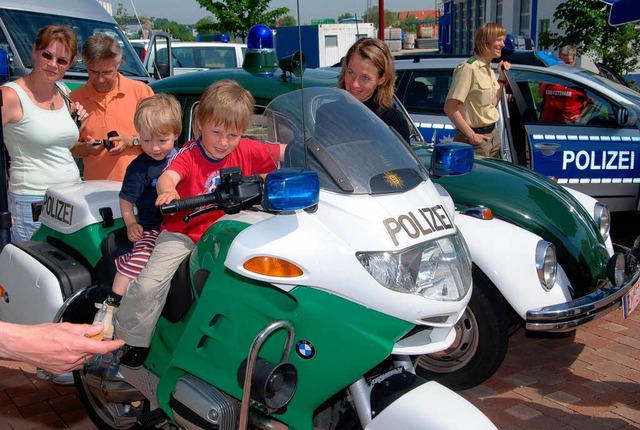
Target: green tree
pixel 121 16
pixel 236 17
pixel 409 24
pixel 204 25
pixel 585 25
pixel 175 29
pixel 287 20
pixel 345 15
pixel 390 18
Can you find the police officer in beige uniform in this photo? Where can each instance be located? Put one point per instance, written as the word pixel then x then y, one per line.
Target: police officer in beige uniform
pixel 475 92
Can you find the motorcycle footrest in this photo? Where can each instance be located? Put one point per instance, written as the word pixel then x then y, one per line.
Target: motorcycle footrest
pixel 152 418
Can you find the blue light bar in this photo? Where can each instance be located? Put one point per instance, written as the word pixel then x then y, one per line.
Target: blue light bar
pixel 291 189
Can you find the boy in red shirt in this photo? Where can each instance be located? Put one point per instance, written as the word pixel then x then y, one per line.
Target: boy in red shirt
pixel 223 115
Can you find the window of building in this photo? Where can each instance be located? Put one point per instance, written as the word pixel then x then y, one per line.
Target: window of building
pixel 525 18
pixel 499 12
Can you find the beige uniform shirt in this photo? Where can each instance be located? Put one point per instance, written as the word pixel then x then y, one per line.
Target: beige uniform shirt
pixel 475 86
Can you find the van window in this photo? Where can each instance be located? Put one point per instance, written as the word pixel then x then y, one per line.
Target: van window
pixel 23 27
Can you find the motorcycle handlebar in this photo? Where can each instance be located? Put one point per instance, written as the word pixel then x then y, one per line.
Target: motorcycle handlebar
pixel 188 203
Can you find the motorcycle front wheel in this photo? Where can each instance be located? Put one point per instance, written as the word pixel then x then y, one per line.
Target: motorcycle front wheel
pixel 481 343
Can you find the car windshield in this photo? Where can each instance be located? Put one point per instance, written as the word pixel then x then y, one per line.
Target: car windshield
pixel 25 35
pixel 329 131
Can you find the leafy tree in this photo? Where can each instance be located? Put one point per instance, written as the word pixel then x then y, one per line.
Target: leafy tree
pixel 345 15
pixel 390 18
pixel 204 24
pixel 287 20
pixel 121 16
pixel 409 24
pixel 585 25
pixel 175 29
pixel 147 26
pixel 238 16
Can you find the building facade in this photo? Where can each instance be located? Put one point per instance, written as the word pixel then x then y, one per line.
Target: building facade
pixel 459 20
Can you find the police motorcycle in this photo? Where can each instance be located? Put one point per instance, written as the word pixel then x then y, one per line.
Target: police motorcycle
pixel 300 308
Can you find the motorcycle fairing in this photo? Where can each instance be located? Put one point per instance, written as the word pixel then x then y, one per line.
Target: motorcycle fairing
pixel 231 311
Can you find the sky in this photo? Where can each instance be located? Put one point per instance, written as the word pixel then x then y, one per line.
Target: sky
pixel 189 11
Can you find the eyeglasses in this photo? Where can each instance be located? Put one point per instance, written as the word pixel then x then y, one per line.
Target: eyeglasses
pixel 63 62
pixel 104 73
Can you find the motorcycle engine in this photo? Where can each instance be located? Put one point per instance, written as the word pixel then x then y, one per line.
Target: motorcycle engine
pixel 198 405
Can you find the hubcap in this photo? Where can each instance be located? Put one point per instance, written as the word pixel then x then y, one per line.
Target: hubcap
pixel 461 351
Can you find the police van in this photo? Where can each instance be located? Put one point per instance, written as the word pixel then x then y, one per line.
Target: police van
pixel 20 21
pixel 594 149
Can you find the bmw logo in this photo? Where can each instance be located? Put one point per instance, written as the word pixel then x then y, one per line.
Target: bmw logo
pixel 305 349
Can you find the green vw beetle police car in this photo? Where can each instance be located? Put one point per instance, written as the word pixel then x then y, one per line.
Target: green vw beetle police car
pixel 543 259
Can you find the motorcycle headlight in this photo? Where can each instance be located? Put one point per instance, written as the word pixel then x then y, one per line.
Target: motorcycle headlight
pixel 546 264
pixel 437 270
pixel 603 219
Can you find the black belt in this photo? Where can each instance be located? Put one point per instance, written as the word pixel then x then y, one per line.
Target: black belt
pixel 484 130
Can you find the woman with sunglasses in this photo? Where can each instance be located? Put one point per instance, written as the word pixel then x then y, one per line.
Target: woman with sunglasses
pixel 369 75
pixel 39 130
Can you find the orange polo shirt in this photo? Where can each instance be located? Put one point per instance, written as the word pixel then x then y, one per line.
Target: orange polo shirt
pixel 110 111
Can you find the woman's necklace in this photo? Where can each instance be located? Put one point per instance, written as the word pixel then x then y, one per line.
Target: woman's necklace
pixel 53 106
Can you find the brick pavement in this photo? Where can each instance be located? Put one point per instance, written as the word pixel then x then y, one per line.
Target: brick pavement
pixel 590 381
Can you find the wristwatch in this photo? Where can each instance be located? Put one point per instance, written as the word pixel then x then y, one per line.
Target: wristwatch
pixel 136 141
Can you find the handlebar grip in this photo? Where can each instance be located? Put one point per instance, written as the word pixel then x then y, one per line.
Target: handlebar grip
pixel 188 203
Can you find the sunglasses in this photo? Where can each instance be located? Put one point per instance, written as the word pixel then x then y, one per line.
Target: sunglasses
pixel 63 62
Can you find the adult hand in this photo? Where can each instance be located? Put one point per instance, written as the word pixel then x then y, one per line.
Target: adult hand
pixel 82 115
pixel 478 139
pixel 502 66
pixel 134 232
pixel 86 147
pixel 118 145
pixel 54 347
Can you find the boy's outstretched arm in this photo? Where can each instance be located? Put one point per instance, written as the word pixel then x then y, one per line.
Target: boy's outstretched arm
pixel 166 187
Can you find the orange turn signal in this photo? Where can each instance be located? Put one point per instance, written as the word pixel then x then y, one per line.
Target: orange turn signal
pixel 272 266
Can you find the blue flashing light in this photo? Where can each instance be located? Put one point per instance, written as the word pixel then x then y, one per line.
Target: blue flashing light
pixel 4 66
pixel 548 58
pixel 451 159
pixel 291 189
pixel 260 37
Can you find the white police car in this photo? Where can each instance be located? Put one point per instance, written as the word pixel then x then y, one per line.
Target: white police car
pixel 596 151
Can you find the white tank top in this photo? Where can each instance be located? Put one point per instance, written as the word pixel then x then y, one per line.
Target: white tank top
pixel 39 146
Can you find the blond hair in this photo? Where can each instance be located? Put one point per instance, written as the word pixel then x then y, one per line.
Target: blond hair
pixel 160 115
pixel 225 103
pixel 376 51
pixel 485 36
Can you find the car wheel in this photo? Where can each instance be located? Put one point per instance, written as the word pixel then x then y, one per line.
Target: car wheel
pixel 481 341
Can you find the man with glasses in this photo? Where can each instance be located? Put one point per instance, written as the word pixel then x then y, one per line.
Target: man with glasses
pixel 111 100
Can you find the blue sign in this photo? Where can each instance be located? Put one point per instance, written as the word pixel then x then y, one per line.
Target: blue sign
pixel 623 11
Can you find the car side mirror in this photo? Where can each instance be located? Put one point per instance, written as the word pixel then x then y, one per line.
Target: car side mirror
pixel 622 116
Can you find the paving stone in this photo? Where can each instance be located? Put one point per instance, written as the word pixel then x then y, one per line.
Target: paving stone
pixel 523 412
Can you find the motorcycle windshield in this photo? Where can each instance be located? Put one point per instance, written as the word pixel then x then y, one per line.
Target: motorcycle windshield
pixel 352 150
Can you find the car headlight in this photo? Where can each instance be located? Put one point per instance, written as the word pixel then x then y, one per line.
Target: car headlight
pixel 603 218
pixel 437 270
pixel 546 264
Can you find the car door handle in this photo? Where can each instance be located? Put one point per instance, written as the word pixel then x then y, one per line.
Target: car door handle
pixel 547 148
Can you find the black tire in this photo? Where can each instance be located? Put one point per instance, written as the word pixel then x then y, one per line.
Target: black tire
pixel 481 343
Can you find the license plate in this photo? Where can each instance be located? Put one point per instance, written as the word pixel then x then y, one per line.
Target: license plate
pixel 631 300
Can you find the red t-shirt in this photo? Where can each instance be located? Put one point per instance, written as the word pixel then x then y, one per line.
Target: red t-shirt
pixel 562 104
pixel 200 174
